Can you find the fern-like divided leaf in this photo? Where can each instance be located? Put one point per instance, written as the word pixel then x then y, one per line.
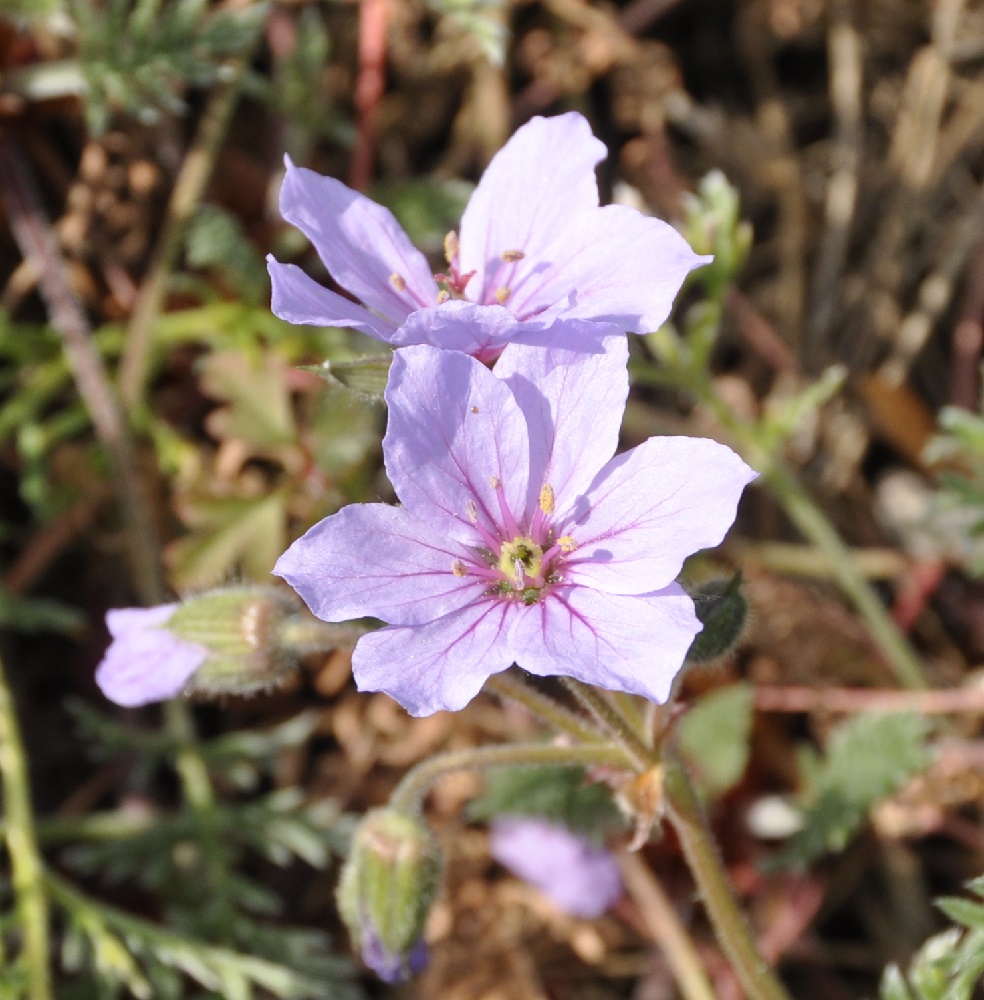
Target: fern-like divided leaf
pixel 139 59
pixel 128 951
pixel 869 758
pixel 949 965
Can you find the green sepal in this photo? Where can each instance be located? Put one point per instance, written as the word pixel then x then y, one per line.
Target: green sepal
pixel 390 880
pixel 240 627
pixel 723 610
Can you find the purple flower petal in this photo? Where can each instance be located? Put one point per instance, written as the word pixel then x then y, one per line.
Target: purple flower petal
pixel 481 331
pixel 298 298
pixel 440 666
pixel 146 663
pixel 541 177
pixel 454 431
pixel 372 559
pixel 573 403
pixel 612 265
pixel 622 643
pixel 363 247
pixel 580 878
pixel 651 508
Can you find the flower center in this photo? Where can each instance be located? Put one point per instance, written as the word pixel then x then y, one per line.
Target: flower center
pixel 453 284
pixel 516 563
pixel 521 560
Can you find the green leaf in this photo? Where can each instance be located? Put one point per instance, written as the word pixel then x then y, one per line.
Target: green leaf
pixel 216 240
pixel 255 387
pixel 714 737
pixel 367 376
pixel 428 209
pixel 869 758
pixel 560 794
pixel 31 614
pixel 230 534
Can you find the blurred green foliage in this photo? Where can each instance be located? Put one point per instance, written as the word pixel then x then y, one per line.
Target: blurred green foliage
pixel 714 737
pixel 562 795
pixel 219 915
pixel 138 56
pixel 949 966
pixel 868 758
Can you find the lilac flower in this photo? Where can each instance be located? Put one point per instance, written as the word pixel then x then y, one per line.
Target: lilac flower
pixel 534 245
pixel 580 878
pixel 146 662
pixel 520 538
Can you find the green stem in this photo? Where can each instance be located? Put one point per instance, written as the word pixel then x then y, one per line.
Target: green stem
pixel 613 722
pixel 511 685
pixel 197 787
pixel 196 169
pixel 409 794
pixel 684 812
pixel 25 859
pixel 303 635
pixel 668 931
pixel 699 849
pixel 815 527
pixel 811 521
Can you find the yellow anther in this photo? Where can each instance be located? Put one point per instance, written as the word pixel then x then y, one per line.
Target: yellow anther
pixel 458 568
pixel 548 499
pixel 502 295
pixel 511 256
pixel 396 280
pixel 442 296
pixel 451 247
pixel 566 543
pixel 495 482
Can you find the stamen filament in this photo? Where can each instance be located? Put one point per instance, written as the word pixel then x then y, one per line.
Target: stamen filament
pixel 508 521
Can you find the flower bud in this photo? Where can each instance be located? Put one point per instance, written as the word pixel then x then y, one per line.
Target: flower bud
pixel 386 890
pixel 714 226
pixel 722 608
pixel 240 629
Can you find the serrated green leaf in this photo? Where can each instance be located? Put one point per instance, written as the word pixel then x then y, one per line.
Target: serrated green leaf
pixel 869 757
pixel 714 737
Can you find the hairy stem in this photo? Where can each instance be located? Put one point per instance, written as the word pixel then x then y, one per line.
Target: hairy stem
pixel 666 928
pixel 25 860
pixel 511 685
pixel 196 169
pixel 732 931
pixel 701 854
pixel 613 722
pixel 409 794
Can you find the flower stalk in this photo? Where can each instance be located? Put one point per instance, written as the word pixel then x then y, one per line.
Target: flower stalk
pixel 703 859
pixel 511 685
pixel 28 879
pixel 732 931
pixel 614 723
pixel 410 793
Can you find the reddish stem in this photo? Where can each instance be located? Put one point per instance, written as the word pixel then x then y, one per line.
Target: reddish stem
pixel 368 89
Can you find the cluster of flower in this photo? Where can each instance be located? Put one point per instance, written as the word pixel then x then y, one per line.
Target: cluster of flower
pixel 522 538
